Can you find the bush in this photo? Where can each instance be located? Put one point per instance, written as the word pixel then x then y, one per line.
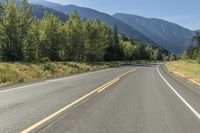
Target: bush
pixel 166 58
pixel 49 67
pixel 10 75
pixel 44 60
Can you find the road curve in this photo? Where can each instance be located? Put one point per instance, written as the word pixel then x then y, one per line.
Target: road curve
pixel 131 99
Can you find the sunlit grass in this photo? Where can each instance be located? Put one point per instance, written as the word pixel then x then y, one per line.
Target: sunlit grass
pixel 189 69
pixel 12 73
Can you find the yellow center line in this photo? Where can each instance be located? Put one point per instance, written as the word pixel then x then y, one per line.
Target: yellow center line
pixel 113 82
pixel 99 89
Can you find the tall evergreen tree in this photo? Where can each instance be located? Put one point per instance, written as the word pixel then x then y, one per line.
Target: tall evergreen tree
pixel 196 38
pixel 116 37
pixel 193 51
pixel 114 52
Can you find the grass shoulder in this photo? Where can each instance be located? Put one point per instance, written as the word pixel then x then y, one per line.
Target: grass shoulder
pixel 187 69
pixel 20 72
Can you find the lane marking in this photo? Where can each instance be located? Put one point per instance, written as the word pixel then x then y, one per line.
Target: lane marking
pixel 104 88
pixel 114 81
pixel 51 80
pixel 98 90
pixel 179 96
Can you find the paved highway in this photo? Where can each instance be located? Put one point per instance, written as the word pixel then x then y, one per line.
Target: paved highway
pixel 128 99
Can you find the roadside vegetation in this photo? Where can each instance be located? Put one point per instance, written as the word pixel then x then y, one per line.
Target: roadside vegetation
pixel 193 52
pixel 25 38
pixel 189 65
pixel 188 69
pixel 49 47
pixel 18 72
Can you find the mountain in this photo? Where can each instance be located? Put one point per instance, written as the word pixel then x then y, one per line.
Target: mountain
pixel 168 35
pixel 88 13
pixel 39 10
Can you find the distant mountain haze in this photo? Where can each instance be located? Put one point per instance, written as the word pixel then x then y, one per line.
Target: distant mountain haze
pixel 181 12
pixel 168 35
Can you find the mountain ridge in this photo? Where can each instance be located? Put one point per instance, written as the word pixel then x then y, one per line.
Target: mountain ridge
pixel 38 11
pixel 169 35
pixel 150 30
pixel 93 14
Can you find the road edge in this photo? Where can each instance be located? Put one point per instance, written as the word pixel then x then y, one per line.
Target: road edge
pixel 178 95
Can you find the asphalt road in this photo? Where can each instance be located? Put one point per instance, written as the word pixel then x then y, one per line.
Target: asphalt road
pixel 140 99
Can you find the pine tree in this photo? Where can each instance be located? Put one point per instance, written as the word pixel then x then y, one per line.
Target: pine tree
pixel 197 38
pixel 116 37
pixel 114 51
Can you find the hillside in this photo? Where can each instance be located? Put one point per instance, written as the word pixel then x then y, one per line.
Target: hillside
pixel 39 10
pixel 151 30
pixel 88 13
pixel 168 35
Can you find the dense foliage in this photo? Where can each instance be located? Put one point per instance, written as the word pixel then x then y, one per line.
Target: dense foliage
pixel 25 38
pixel 135 50
pixel 193 52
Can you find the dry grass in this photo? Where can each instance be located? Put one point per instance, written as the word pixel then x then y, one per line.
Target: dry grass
pixel 12 73
pixel 187 69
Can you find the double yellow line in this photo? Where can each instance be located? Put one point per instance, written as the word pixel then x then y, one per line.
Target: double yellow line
pixel 98 90
pixel 105 86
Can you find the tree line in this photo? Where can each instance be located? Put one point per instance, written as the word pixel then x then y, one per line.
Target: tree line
pixel 193 52
pixel 26 38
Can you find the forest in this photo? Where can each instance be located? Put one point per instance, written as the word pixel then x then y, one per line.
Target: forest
pixel 24 38
pixel 193 52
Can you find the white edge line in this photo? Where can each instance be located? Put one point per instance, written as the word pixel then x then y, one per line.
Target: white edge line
pixel 51 80
pixel 182 99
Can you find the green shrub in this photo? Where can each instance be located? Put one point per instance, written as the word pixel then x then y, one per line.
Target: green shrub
pixel 49 67
pixel 44 60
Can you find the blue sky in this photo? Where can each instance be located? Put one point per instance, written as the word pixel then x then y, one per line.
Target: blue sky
pixel 182 12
